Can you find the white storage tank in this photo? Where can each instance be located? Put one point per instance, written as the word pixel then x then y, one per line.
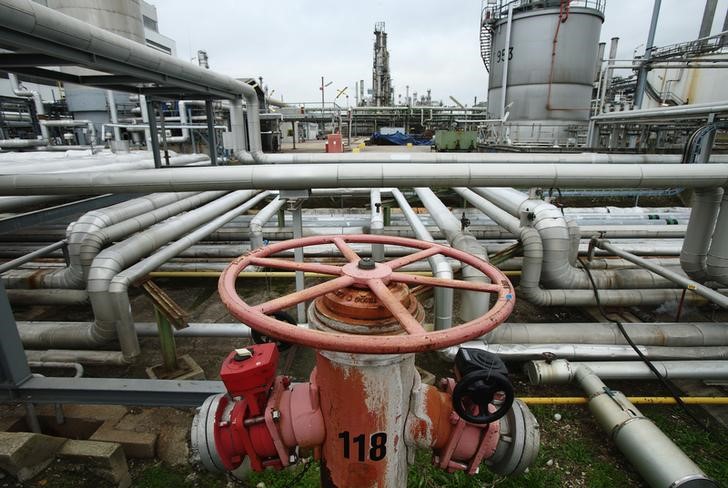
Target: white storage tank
pixel 551 57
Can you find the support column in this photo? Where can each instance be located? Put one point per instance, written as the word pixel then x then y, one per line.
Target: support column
pixel 14 368
pixel 153 134
pixel 212 144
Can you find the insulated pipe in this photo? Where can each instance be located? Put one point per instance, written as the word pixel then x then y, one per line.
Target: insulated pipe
pixel 561 371
pixel 78 368
pixel 558 270
pixel 73 123
pixel 21 91
pixel 376 222
pixel 74 275
pixel 646 334
pixel 373 175
pixel 42 252
pixel 260 219
pixel 21 143
pixel 118 291
pixel 660 462
pixel 48 297
pixel 116 258
pixel 113 114
pixel 439 265
pixel 688 284
pixel 93 242
pixel 717 260
pixel 473 304
pixel 529 287
pixel 590 352
pixel 91 358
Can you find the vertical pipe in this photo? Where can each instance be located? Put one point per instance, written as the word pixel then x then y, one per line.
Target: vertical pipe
pixel 708 15
pixel 376 223
pixel 237 127
pixel 212 144
pixel 600 61
pixel 717 260
pixel 153 134
pixel 613 46
pixel 113 114
pixel 642 74
pixel 504 79
pixel 298 257
pixel 724 38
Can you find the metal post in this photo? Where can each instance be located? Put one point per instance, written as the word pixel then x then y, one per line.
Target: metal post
pixel 166 341
pixel 298 257
pixel 14 369
pixel 281 218
pixel 504 79
pixel 164 133
pixel 323 121
pixel 387 215
pixel 642 74
pixel 708 14
pixel 153 134
pixel 294 124
pixel 212 145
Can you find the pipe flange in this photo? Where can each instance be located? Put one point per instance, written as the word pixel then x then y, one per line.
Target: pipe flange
pixel 202 435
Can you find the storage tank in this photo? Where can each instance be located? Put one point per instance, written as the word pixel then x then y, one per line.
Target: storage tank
pixel 551 55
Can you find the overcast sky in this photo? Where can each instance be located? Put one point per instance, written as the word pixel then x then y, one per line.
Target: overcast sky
pixel 432 43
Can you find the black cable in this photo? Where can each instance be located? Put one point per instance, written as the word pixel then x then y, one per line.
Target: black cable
pixel 673 392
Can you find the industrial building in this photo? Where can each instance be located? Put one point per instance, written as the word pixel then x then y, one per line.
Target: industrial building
pixel 237 290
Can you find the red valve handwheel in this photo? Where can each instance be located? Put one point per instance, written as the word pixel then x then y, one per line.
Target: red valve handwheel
pixel 417 338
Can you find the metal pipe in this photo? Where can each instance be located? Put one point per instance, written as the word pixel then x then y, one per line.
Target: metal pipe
pixel 529 287
pixel 708 15
pixel 22 143
pixel 78 368
pixel 48 297
pixel 113 114
pixel 646 334
pixel 688 284
pixel 91 358
pixel 557 238
pixel 376 222
pixel 660 462
pixel 504 77
pixel 116 258
pixel 590 352
pixel 374 175
pixel 73 123
pixel 439 265
pixel 665 112
pixel 21 91
pixel 74 275
pixel 43 251
pixel 561 371
pixel 644 400
pixel 260 219
pixel 118 290
pixel 717 261
pixel 473 304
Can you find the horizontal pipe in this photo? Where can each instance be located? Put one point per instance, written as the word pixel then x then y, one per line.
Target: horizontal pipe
pixel 44 251
pixel 530 352
pixel 350 172
pixel 688 284
pixel 560 371
pixel 91 358
pixel 636 400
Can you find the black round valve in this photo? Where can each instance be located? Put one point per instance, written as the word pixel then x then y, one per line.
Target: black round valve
pixel 481 375
pixel 366 263
pixel 478 389
pixel 259 338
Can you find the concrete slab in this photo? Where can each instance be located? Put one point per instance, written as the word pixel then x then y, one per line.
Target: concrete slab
pixel 24 455
pixel 105 459
pixel 136 444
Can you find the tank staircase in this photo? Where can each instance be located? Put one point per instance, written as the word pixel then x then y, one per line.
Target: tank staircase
pixel 486 36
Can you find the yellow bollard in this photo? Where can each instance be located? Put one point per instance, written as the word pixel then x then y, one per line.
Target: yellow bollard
pixel 355 150
pixel 362 145
pixel 409 145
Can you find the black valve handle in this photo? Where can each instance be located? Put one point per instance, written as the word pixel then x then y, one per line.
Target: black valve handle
pixel 259 338
pixel 479 388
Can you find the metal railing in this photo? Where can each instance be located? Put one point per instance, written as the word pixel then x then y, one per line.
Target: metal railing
pixel 497 9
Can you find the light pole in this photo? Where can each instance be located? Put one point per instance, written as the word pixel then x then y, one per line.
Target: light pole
pixel 322 88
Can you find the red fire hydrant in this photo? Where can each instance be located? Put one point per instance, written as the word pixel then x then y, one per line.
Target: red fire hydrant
pixel 364 411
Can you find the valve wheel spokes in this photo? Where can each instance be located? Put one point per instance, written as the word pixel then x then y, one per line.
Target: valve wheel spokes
pixel 403 316
pixel 376 279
